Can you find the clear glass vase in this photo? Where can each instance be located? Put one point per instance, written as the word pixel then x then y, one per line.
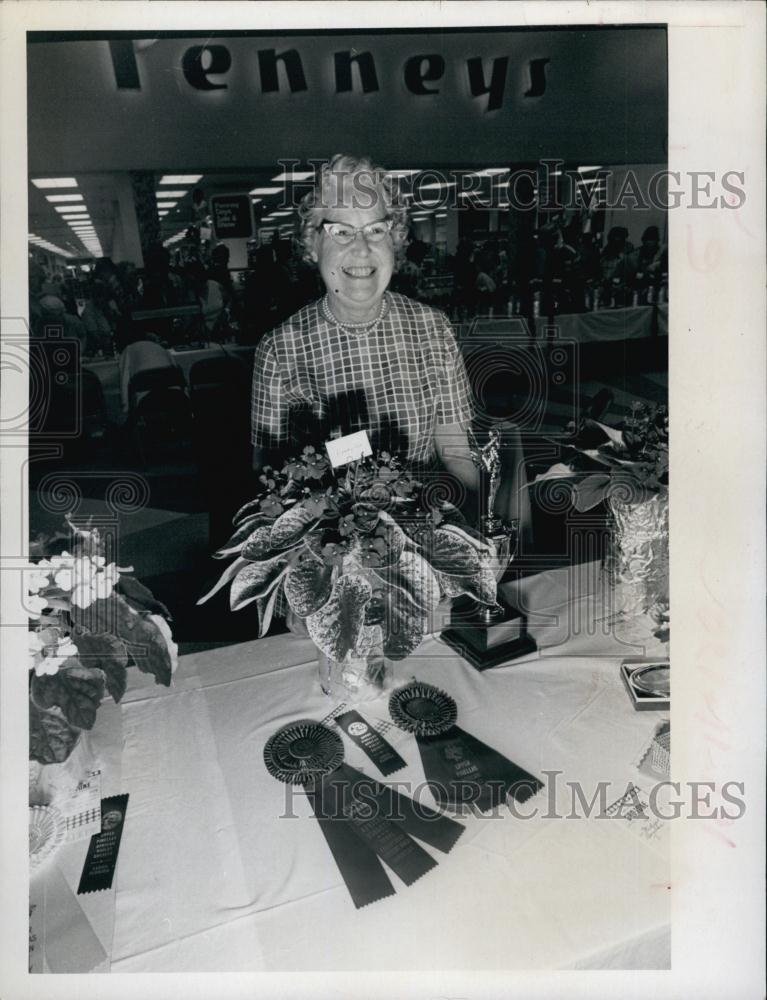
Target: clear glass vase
pixel 357 678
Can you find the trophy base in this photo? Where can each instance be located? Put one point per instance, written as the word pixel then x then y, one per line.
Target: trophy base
pixel 486 645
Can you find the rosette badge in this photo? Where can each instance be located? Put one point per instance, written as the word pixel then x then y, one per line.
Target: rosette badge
pixel 364 823
pixel 462 772
pixel 302 752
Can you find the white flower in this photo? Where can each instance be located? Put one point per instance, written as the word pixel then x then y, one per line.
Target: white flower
pixel 63 579
pixel 65 559
pixel 54 656
pixel 35 645
pixel 167 635
pixel 83 596
pixel 90 583
pixel 38 578
pixel 35 605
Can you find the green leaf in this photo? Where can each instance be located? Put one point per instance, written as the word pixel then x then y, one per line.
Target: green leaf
pixel 590 491
pixel 250 509
pixel 244 530
pixel 75 689
pixel 51 738
pixel 414 579
pixel 395 538
pixel 258 545
pixel 448 553
pixel 308 586
pixel 404 626
pixel 140 597
pixel 255 580
pixel 451 586
pixel 229 574
pixel 557 471
pixel 291 526
pixel 481 585
pixel 335 628
pixel 108 653
pixel 265 607
pixel 148 649
pixel 472 537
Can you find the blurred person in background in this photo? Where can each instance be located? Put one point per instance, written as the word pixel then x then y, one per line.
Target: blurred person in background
pixel 98 319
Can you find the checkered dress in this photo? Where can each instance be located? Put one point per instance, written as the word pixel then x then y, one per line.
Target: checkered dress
pixel 313 381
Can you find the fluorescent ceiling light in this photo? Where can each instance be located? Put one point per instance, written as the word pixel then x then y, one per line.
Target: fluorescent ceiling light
pixel 167 204
pixel 266 190
pixel 281 214
pixel 436 185
pixel 64 197
pixel 587 170
pixel 163 213
pixel 69 219
pixel 55 182
pixel 254 200
pixel 171 194
pixel 70 209
pixel 294 175
pixel 401 173
pixel 490 172
pixel 180 179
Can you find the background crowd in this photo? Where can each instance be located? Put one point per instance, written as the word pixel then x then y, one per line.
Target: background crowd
pixel 189 294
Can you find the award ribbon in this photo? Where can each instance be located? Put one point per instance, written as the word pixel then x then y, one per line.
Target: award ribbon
pixel 362 821
pixel 101 859
pixel 378 750
pixel 460 769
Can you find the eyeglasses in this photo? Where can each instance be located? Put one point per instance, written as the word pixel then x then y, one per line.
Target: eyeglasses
pixel 374 232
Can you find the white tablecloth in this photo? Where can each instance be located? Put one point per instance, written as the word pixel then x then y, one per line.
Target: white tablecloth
pixel 213 875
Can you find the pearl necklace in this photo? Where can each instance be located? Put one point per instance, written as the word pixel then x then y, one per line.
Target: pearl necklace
pixel 354 328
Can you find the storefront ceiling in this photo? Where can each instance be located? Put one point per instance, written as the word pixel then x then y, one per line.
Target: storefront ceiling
pixel 597 96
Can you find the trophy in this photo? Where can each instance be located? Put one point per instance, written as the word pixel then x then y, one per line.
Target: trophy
pixel 488 635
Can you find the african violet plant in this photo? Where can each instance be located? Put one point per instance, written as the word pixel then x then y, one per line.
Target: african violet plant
pixel 361 556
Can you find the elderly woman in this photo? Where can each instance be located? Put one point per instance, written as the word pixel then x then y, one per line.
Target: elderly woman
pixel 362 357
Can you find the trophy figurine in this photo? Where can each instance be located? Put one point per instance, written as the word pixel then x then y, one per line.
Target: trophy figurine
pixel 488 635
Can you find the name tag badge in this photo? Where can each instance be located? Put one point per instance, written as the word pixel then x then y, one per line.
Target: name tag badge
pixel 349 448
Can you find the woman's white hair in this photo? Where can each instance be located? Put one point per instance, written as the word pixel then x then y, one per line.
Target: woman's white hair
pixel 349 182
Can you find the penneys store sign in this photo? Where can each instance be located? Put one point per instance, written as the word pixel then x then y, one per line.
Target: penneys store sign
pixel 206 67
pixel 405 98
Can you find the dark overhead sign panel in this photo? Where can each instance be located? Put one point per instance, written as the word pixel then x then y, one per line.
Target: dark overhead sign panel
pixel 232 218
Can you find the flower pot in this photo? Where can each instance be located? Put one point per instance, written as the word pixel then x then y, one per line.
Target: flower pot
pixel 636 563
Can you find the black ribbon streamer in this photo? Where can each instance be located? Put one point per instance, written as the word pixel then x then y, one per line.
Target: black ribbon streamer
pixel 462 771
pixel 363 822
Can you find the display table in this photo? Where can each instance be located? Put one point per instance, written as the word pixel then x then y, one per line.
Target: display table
pixel 223 868
pixel 632 323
